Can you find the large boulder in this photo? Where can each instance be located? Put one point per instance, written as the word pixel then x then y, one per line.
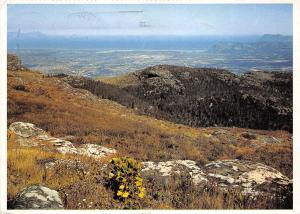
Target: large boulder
pixel 64 147
pixel 38 197
pixel 25 133
pixel 26 130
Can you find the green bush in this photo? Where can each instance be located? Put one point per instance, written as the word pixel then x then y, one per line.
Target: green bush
pixel 124 178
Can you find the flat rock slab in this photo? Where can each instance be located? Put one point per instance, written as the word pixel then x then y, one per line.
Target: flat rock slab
pixel 38 197
pixel 167 168
pixel 250 178
pixel 28 134
pixel 94 150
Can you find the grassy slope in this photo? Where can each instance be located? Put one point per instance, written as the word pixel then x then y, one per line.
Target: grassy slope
pixel 62 110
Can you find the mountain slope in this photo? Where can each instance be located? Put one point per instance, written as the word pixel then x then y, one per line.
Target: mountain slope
pixel 208 97
pixel 55 106
pixel 79 119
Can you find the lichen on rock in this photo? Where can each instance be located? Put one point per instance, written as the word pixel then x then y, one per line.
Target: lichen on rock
pixel 249 177
pixel 38 197
pixel 28 134
pixel 94 150
pixel 169 167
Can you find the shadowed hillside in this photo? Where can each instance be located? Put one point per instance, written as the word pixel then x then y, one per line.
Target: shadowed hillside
pixel 205 97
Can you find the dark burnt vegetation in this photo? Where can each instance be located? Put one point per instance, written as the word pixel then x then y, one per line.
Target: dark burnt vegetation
pixel 107 91
pixel 204 97
pixel 21 88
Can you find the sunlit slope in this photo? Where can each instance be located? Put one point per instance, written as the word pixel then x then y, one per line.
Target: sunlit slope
pixel 120 81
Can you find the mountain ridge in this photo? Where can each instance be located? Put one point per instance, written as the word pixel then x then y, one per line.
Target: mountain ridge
pixel 256 99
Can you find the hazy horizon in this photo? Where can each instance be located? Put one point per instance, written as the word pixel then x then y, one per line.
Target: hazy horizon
pixel 154 35
pixel 151 19
pixel 91 39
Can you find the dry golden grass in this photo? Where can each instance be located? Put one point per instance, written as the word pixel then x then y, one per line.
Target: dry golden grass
pixel 26 166
pixel 81 190
pixel 78 188
pixel 120 81
pixel 23 169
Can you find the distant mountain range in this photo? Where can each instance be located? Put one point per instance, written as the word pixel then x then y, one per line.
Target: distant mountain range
pixel 40 40
pixel 269 44
pixel 264 37
pixel 276 38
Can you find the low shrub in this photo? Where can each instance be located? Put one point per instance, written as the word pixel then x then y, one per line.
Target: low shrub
pixel 124 178
pixel 21 88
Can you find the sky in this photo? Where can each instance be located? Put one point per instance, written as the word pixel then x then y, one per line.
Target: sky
pixel 152 19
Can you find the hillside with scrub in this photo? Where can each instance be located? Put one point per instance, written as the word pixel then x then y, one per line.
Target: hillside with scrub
pixel 85 144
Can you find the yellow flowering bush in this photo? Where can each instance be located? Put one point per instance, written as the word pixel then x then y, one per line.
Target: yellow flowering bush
pixel 124 178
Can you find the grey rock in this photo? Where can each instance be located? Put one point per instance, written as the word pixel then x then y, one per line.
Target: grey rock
pixel 169 167
pixel 159 79
pixel 28 134
pixel 26 130
pixel 251 178
pixel 94 150
pixel 38 197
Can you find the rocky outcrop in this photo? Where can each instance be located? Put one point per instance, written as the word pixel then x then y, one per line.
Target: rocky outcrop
pixel 95 151
pixel 26 130
pixel 38 197
pixel 159 79
pixel 64 146
pixel 250 178
pixel 27 134
pixel 167 168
